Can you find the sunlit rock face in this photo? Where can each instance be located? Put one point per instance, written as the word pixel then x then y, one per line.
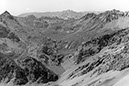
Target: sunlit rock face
pixel 100 64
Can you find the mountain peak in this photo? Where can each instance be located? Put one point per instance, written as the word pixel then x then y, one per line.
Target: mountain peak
pixel 111 15
pixel 69 11
pixel 88 15
pixel 6 13
pixel 114 12
pixel 31 17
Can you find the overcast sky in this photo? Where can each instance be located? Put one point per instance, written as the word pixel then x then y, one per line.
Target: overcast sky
pixel 17 7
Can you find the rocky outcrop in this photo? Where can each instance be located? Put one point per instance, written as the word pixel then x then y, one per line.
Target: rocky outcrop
pixel 36 71
pixel 115 57
pixel 3 31
pixel 10 70
pixel 28 71
pixel 88 15
pixel 94 46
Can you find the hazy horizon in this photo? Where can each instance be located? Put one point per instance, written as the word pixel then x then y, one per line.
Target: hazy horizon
pixel 17 7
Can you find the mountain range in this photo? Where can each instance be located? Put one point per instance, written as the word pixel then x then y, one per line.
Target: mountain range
pixel 66 14
pixel 64 48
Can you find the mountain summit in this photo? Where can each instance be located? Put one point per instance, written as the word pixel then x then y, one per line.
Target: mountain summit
pixel 6 14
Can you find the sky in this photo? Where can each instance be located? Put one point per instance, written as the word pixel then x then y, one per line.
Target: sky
pixel 17 7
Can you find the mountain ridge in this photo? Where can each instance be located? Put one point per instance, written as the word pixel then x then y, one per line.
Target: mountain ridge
pixel 66 14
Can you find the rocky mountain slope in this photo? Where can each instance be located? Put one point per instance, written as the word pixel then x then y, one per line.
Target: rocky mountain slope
pixel 88 51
